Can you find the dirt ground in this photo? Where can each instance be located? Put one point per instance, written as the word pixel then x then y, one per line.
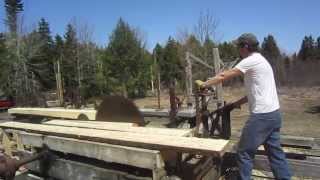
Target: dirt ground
pixel 300 108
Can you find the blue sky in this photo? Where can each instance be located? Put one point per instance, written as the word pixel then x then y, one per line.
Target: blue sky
pixel 288 20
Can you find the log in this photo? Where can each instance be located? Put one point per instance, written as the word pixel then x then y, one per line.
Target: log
pixel 149 141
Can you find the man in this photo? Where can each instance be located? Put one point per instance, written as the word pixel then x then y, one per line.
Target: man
pixel 264 123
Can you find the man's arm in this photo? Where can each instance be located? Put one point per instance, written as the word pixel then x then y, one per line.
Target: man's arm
pixel 223 76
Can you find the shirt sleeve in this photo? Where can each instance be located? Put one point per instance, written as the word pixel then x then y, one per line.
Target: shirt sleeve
pixel 246 64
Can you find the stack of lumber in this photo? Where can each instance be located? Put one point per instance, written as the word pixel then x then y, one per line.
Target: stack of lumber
pixel 125 135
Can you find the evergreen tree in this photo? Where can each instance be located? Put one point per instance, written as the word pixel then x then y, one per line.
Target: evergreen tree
pixel 58 47
pixel 13 7
pixel 4 64
pixel 158 52
pixel 69 65
pixel 307 50
pixel 271 51
pixel 318 48
pixel 228 51
pixel 193 45
pixel 44 57
pixel 171 68
pixel 126 59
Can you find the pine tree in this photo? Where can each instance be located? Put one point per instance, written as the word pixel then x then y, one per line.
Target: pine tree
pixel 272 53
pixel 318 48
pixel 58 47
pixel 13 7
pixel 193 45
pixel 4 64
pixel 69 65
pixel 307 50
pixel 44 58
pixel 228 51
pixel 126 59
pixel 171 68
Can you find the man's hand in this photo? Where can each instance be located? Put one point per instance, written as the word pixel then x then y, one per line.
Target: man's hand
pixel 199 83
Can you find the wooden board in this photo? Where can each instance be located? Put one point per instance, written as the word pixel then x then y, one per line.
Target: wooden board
pixel 143 158
pixel 91 113
pixel 55 112
pixel 149 141
pixel 124 127
pixel 186 113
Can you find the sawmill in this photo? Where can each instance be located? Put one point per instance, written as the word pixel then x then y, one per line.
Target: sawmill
pixel 117 142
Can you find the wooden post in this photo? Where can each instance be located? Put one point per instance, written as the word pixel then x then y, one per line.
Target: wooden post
pixel 59 84
pixel 219 91
pixel 188 70
pixel 158 79
pixel 152 83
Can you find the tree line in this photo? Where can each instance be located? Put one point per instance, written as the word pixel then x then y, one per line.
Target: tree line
pixel 36 62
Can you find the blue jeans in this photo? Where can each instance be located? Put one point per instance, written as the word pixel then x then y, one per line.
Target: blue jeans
pixel 262 129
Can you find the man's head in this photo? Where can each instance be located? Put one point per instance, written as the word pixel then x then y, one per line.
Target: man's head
pixel 247 44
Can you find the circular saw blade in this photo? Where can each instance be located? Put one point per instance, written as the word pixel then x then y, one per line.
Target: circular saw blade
pixel 119 109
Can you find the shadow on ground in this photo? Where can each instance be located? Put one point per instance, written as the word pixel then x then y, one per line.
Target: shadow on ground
pixel 313 109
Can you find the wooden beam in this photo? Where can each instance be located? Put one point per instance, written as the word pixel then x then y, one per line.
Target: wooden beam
pixel 91 114
pixel 193 57
pixel 187 113
pixel 189 82
pixel 55 112
pixel 157 142
pixel 144 158
pixel 123 127
pixel 217 60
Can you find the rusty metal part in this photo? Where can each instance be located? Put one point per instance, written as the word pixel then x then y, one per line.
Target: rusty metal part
pixel 9 166
pixel 119 109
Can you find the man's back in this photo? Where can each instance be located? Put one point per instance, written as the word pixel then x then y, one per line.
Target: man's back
pixel 260 84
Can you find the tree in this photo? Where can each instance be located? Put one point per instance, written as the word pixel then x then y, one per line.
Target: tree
pixel 208 46
pixel 228 51
pixel 193 45
pixel 58 47
pixel 4 64
pixel 69 64
pixel 13 7
pixel 44 59
pixel 126 60
pixel 272 53
pixel 206 27
pixel 318 48
pixel 171 68
pixel 307 50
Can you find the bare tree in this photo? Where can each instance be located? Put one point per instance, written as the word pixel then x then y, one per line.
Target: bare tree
pixel 206 26
pixel 183 35
pixel 87 63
